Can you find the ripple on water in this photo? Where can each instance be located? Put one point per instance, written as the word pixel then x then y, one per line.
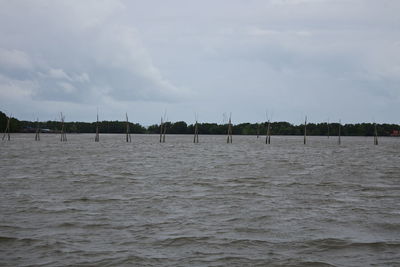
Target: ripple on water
pixel 209 204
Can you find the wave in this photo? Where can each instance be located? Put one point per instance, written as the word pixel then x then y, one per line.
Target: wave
pixel 8 239
pixel 334 243
pixel 183 240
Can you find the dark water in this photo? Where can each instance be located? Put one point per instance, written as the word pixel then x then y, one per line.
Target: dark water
pixel 207 204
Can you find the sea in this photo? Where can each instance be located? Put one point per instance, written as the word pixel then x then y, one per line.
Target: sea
pixel 179 203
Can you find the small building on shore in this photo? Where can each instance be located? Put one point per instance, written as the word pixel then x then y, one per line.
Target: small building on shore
pixel 395 133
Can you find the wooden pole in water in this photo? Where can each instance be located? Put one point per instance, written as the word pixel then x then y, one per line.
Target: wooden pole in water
pixel 230 122
pixel 196 133
pixel 266 134
pixel 229 138
pixel 161 129
pixel 305 131
pixel 128 133
pixel 164 131
pixel 339 134
pixel 328 128
pixel 375 135
pixel 63 134
pixel 268 138
pixel 37 135
pixel 97 137
pixel 62 128
pixel 227 133
pixel 7 130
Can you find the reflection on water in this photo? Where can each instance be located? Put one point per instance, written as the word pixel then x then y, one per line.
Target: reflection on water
pixel 206 204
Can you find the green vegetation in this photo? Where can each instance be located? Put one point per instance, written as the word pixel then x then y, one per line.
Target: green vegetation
pixel 15 125
pixel 181 127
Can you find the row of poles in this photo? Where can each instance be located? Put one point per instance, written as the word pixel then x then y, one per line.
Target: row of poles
pixel 339 132
pixel 163 131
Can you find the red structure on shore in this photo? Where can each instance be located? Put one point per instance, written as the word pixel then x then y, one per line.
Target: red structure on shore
pixel 395 133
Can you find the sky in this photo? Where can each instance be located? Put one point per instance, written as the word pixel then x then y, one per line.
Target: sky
pixel 282 60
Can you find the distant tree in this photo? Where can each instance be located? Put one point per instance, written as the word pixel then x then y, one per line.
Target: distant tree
pixel 179 127
pixel 153 129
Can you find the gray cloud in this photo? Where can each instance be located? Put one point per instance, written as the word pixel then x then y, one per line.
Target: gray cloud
pixel 72 49
pixel 323 58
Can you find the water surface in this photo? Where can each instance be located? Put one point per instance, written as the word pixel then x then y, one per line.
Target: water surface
pixel 144 203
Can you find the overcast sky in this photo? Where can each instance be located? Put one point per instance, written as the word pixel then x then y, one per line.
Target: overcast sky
pixel 327 59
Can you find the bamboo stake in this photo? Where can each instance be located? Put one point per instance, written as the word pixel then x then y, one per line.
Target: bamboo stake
pixel 230 122
pixel 164 131
pixel 62 128
pixel 63 134
pixel 97 137
pixel 375 135
pixel 229 139
pixel 161 129
pixel 268 137
pixel 37 135
pixel 196 133
pixel 7 130
pixel 128 133
pixel 328 128
pixel 339 134
pixel 305 131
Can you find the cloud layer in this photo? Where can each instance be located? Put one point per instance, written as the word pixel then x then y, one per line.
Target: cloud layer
pixel 324 58
pixel 76 52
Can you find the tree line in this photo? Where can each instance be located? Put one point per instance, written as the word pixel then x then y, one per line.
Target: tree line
pixel 181 127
